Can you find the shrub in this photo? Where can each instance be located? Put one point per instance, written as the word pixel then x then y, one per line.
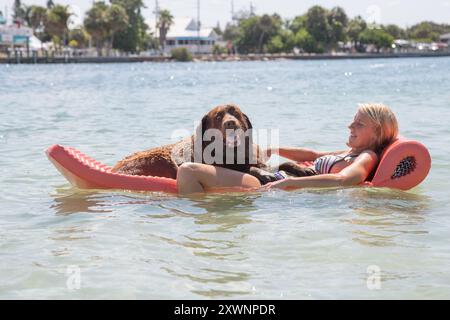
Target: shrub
pixel 307 42
pixel 73 44
pixel 276 45
pixel 181 54
pixel 219 49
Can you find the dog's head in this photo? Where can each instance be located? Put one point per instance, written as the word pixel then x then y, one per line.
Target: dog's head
pixel 229 120
pixel 233 126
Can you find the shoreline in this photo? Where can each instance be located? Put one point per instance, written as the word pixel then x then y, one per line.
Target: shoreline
pixel 219 58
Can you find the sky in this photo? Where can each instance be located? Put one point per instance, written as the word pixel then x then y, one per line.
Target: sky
pixel 401 12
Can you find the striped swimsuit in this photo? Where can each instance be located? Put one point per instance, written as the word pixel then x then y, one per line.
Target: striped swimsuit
pixel 324 164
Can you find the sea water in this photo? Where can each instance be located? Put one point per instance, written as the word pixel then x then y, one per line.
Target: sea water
pixel 60 242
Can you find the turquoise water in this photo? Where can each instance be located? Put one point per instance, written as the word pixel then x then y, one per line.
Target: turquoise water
pixel 60 242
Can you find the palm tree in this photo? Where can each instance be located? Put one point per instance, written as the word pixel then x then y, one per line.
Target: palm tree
pixel 164 23
pixel 57 22
pixel 133 38
pixel 19 11
pixel 103 22
pixel 36 18
pixel 116 20
pixel 95 24
pixel 50 4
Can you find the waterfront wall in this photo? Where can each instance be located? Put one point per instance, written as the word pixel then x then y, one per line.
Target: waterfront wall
pixel 19 59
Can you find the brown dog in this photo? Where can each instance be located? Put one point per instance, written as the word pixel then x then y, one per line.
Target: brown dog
pixel 226 120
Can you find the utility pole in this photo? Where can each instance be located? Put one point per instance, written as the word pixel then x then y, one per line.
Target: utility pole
pixel 156 12
pixel 232 11
pixel 252 9
pixel 198 26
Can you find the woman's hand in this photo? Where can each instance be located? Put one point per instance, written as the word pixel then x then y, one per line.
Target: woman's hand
pixel 284 184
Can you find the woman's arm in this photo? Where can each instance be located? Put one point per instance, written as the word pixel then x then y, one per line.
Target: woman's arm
pixel 298 154
pixel 352 175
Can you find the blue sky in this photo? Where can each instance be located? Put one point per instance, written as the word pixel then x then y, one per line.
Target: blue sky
pixel 401 12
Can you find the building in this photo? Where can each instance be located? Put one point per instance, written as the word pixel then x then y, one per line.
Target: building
pixel 445 38
pixel 2 18
pixel 184 32
pixel 15 35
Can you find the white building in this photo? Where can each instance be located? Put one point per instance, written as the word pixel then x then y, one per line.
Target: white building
pixel 15 35
pixel 445 38
pixel 184 32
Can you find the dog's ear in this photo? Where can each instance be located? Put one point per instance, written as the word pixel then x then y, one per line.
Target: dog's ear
pixel 199 143
pixel 247 120
pixel 204 124
pixel 201 128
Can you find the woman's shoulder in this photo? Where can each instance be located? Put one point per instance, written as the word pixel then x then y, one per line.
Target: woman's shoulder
pixel 369 153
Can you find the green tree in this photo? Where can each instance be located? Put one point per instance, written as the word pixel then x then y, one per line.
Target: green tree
pixel 164 23
pixel 298 23
pixel 317 24
pixel 36 17
pixel 266 26
pixel 96 24
pixel 249 35
pixel 395 31
pixel 56 23
pixel 355 27
pixel 80 36
pixel 231 33
pixel 338 22
pixel 306 42
pixel 134 38
pixel 19 11
pixel 424 31
pixel 256 32
pixel 378 37
pixel 116 21
pixel 103 22
pixel 276 44
pixel 288 38
pixel 283 41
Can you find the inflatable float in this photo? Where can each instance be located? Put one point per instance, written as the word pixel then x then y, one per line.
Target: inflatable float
pixel 404 164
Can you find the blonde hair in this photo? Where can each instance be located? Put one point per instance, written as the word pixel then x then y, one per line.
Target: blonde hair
pixel 385 122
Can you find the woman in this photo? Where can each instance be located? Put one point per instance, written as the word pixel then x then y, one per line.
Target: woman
pixel 373 128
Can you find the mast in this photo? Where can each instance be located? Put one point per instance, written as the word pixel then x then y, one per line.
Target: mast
pixel 198 26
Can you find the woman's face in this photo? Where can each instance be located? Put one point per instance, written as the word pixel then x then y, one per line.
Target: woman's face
pixel 362 132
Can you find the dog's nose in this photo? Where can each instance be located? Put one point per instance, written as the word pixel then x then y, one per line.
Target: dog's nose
pixel 230 124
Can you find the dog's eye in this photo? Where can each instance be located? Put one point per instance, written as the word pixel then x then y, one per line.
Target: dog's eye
pixel 233 111
pixel 219 115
